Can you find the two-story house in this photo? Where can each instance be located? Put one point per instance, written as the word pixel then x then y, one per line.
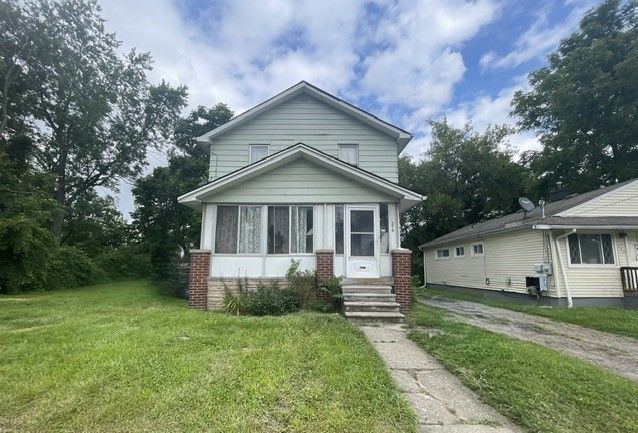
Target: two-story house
pixel 303 176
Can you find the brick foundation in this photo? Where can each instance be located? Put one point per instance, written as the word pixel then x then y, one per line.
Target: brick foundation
pixel 198 279
pixel 402 275
pixel 325 269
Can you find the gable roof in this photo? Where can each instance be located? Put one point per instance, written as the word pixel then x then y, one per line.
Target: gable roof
pixel 518 220
pixel 405 197
pixel 401 136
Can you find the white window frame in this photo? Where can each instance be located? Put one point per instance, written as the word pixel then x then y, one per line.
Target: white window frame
pixel 290 206
pixel 344 145
pixel 437 257
pixel 459 256
pixel 474 254
pixel 250 151
pixel 592 265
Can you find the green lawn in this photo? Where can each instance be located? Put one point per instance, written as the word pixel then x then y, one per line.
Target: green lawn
pixel 615 320
pixel 539 388
pixel 123 358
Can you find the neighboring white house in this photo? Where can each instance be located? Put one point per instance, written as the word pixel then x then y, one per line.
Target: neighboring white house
pixel 584 250
pixel 301 175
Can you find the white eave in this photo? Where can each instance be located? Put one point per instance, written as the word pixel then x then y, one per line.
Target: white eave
pixel 401 137
pixel 405 197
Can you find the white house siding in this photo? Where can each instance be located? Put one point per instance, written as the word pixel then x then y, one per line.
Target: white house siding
pixel 307 120
pixel 300 181
pixel 594 281
pixel 619 202
pixel 506 255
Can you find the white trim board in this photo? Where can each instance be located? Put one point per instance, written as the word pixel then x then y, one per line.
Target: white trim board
pixel 401 137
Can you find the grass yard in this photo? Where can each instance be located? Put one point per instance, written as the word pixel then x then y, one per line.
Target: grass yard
pixel 539 388
pixel 123 358
pixel 615 320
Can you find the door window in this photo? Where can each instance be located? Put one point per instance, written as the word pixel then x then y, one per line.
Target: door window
pixel 362 233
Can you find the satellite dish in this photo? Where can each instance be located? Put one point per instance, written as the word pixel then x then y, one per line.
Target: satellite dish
pixel 526 204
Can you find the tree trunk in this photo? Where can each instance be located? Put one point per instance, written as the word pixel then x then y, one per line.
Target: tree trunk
pixel 60 187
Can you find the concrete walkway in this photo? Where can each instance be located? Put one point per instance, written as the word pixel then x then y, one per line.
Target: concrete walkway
pixel 442 403
pixel 611 351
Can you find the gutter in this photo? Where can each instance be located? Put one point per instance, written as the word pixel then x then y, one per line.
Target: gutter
pixel 570 303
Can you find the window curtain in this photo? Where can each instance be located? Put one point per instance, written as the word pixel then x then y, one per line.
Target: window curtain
pixel 278 229
pixel 250 229
pixel 226 230
pixel 301 227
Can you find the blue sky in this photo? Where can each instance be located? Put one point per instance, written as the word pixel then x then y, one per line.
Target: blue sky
pixel 405 61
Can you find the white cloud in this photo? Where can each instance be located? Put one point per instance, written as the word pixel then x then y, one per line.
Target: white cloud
pixel 420 64
pixel 538 40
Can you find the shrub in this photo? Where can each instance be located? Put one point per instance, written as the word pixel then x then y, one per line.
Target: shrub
pixel 124 262
pixel 70 267
pixel 25 253
pixel 265 300
pixel 304 283
pixel 332 287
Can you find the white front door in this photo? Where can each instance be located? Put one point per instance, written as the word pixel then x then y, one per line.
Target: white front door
pixel 362 241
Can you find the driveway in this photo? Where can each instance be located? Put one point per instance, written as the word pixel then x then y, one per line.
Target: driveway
pixel 442 403
pixel 610 351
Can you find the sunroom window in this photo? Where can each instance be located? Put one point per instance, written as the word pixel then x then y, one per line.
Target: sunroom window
pixel 591 249
pixel 238 230
pixel 290 229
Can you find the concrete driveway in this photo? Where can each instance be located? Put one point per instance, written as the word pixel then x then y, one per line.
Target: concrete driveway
pixel 610 351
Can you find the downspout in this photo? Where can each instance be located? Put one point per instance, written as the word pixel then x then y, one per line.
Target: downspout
pixel 570 303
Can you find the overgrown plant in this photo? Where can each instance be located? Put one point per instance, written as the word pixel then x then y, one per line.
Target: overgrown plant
pixel 332 287
pixel 263 301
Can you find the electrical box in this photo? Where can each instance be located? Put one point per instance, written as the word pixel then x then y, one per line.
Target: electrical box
pixel 543 268
pixel 543 283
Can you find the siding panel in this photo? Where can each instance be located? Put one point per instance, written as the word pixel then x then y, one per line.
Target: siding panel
pixel 620 202
pixel 307 120
pixel 300 181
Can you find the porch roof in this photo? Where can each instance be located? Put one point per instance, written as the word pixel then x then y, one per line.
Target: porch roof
pixel 405 197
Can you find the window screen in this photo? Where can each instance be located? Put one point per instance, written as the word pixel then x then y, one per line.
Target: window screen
pixel 278 229
pixel 226 230
pixel 591 249
pixel 249 229
pixel 258 152
pixel 301 229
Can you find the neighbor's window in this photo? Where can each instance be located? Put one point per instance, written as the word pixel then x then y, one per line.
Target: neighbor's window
pixel 339 235
pixel 459 251
pixel 591 249
pixel 477 250
pixel 442 254
pixel 290 229
pixel 258 152
pixel 349 153
pixel 383 223
pixel 226 230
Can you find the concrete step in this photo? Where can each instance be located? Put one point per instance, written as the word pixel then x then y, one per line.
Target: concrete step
pixel 368 297
pixel 385 281
pixel 381 307
pixel 373 316
pixel 379 290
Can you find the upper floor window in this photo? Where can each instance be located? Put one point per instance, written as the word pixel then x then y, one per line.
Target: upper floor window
pixel 591 249
pixel 459 251
pixel 258 152
pixel 349 153
pixel 478 250
pixel 443 254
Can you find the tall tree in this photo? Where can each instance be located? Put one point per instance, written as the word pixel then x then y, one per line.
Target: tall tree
pixel 164 225
pixel 94 110
pixel 467 177
pixel 584 103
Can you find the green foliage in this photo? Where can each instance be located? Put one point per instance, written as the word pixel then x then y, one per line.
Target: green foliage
pixel 165 226
pixel 467 177
pixel 332 287
pixel 25 252
pixel 264 301
pixel 304 283
pixel 584 103
pixel 69 268
pixel 123 263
